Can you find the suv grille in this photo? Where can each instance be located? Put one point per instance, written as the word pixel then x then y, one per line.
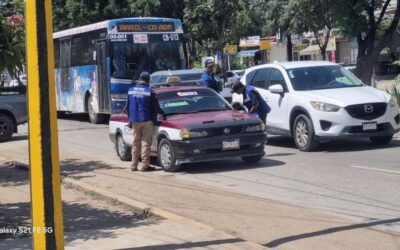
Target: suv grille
pixel 367 111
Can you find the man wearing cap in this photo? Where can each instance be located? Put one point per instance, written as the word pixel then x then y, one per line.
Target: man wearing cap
pixel 207 78
pixel 142 107
pixel 252 100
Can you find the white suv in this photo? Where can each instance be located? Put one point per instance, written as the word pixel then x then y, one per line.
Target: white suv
pixel 320 101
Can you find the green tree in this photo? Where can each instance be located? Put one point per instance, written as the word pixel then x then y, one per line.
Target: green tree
pixel 12 37
pixel 373 27
pixel 213 23
pixel 277 16
pixel 73 13
pixel 314 16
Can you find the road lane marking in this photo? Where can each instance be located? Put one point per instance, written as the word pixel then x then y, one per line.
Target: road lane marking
pixel 376 169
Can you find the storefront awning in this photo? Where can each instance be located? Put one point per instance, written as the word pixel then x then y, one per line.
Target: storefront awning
pixel 313 50
pixel 247 53
pixel 310 50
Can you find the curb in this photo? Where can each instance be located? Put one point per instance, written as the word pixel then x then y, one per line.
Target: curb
pixel 107 195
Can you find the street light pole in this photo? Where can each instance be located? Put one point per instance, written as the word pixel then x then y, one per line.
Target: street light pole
pixel 46 207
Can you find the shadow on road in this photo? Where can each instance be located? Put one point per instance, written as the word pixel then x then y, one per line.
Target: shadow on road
pixel 75 168
pixel 79 117
pixel 9 177
pixel 18 138
pixel 232 165
pixel 188 245
pixel 288 239
pixel 84 217
pixel 356 145
pixel 84 220
pixel 336 146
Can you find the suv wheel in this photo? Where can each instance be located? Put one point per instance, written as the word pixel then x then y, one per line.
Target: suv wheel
pixel 166 156
pixel 303 133
pixel 6 127
pixel 122 149
pixel 381 140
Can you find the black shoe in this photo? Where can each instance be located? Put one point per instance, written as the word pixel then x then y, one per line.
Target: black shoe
pixel 148 169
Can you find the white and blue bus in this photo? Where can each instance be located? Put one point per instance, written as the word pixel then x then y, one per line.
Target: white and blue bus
pixel 95 64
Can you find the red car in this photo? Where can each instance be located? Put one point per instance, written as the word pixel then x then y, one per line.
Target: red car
pixel 198 126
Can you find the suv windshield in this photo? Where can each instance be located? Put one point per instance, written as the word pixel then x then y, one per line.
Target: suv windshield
pixel 130 59
pixel 191 101
pixel 322 77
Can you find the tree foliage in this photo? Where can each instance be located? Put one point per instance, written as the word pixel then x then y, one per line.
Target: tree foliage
pixel 371 24
pixel 12 37
pixel 214 23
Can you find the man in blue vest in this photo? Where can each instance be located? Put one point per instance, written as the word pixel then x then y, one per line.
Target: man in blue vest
pixel 252 100
pixel 207 78
pixel 142 107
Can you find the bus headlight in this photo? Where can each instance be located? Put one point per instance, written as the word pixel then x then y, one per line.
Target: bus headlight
pixel 326 107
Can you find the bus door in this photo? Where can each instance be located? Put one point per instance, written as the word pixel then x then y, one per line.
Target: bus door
pixel 103 86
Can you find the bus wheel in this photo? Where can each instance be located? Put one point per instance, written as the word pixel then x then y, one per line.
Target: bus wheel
pixel 94 118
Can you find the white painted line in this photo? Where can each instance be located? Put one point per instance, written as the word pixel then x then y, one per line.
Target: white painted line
pixel 376 169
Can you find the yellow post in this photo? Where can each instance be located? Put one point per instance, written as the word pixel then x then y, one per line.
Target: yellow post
pixel 47 222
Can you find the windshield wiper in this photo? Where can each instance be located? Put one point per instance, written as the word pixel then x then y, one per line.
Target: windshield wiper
pixel 180 113
pixel 209 110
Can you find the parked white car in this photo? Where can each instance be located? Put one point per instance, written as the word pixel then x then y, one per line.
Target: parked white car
pixel 322 101
pixel 15 82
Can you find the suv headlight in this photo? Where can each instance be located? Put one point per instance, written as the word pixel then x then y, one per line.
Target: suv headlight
pixel 326 107
pixel 257 128
pixel 393 103
pixel 186 134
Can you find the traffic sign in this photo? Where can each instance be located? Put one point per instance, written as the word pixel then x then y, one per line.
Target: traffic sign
pixel 230 49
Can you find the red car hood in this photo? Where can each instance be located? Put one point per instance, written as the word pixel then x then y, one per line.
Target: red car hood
pixel 184 120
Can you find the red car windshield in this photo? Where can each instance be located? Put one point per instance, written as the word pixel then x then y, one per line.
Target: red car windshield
pixel 191 101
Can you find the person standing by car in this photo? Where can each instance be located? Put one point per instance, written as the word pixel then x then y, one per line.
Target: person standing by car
pixel 142 106
pixel 207 78
pixel 252 100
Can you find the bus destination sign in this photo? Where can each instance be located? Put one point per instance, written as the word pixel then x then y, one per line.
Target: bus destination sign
pixel 146 27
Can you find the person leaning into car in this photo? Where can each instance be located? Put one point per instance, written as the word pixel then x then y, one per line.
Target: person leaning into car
pixel 252 100
pixel 143 107
pixel 207 78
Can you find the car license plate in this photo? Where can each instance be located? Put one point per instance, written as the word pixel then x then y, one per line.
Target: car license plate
pixel 229 145
pixel 368 126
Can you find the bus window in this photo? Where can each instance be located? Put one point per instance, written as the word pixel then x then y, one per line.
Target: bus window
pixel 88 48
pixel 128 60
pixel 167 52
pixel 76 51
pixel 65 63
pixel 56 53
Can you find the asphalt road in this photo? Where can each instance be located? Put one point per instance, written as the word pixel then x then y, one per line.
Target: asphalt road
pixel 350 179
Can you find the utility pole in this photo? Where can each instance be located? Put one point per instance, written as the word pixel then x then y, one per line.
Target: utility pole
pixel 46 207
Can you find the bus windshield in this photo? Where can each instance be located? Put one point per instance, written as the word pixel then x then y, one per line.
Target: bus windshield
pixel 153 54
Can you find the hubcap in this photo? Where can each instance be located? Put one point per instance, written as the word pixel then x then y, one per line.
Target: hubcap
pixel 166 155
pixel 3 128
pixel 121 146
pixel 302 133
pixel 90 109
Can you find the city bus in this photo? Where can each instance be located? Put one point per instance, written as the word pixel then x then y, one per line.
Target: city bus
pixel 96 64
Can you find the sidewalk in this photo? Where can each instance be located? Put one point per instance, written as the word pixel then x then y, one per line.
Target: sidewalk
pixel 92 223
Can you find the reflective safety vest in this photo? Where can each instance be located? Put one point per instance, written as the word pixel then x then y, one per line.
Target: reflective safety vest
pixel 139 103
pixel 263 109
